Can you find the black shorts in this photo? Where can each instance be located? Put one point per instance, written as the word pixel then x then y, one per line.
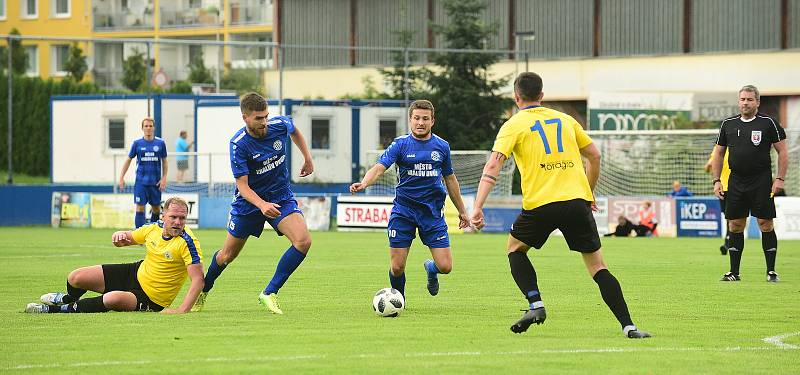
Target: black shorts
pixel 750 195
pixel 122 277
pixel 574 218
pixel 183 165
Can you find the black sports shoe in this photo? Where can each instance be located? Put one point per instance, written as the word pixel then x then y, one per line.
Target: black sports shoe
pixel 531 316
pixel 637 334
pixel 772 277
pixel 723 250
pixel 730 276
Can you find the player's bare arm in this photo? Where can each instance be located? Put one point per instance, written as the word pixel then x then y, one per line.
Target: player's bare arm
pixel 716 169
pixel 268 209
pixel 783 165
pixel 125 166
pixel 454 191
pixel 369 178
pixel 123 238
pixel 196 275
pixel 488 179
pixel 162 184
pixel 592 155
pixel 300 141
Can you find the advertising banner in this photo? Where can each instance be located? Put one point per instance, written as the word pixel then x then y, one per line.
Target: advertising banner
pixel 631 206
pixel 787 220
pixel 112 211
pixel 699 217
pixel 362 212
pixel 317 212
pixel 71 210
pixel 451 214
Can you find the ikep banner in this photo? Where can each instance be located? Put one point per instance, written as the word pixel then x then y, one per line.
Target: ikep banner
pixel 699 217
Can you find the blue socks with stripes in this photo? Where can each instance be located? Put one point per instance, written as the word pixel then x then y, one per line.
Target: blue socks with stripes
pixel 289 262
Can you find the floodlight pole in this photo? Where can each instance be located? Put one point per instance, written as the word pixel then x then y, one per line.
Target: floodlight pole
pixel 9 73
pixel 520 36
pixel 147 78
pixel 280 79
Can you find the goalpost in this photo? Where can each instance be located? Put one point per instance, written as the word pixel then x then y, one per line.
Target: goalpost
pixel 467 165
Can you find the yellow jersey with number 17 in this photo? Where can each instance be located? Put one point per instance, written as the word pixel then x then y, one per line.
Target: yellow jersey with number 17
pixel 546 147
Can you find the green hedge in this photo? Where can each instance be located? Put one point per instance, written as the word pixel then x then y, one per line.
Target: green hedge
pixel 31 110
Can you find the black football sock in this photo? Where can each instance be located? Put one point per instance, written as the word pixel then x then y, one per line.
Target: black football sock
pixel 769 242
pixel 612 296
pixel 735 249
pixel 73 294
pixel 90 305
pixel 154 217
pixel 525 277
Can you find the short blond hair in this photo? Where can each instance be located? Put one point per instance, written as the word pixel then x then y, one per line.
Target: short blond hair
pixel 175 200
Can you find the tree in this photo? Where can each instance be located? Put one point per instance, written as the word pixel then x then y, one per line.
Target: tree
pixel 395 76
pixel 198 73
pixel 19 57
pixel 469 107
pixel 242 80
pixel 76 63
pixel 134 71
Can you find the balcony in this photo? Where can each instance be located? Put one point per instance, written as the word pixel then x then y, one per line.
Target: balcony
pixel 116 15
pixel 250 13
pixel 192 17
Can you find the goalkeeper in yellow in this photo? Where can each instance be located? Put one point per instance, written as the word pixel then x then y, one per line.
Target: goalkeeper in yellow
pixel 172 253
pixel 723 178
pixel 547 146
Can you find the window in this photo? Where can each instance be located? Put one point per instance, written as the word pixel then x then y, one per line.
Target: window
pixel 33 60
pixel 2 9
pixel 195 51
pixel 116 134
pixel 60 8
pixel 58 58
pixel 29 9
pixel 388 132
pixel 320 134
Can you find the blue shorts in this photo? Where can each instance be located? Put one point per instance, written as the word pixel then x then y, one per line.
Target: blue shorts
pixel 241 226
pixel 403 227
pixel 146 194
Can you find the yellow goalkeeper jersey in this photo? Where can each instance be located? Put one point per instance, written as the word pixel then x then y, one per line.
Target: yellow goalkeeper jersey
pixel 546 147
pixel 726 170
pixel 163 271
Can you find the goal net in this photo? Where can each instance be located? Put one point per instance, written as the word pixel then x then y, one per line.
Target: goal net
pixel 645 163
pixel 467 165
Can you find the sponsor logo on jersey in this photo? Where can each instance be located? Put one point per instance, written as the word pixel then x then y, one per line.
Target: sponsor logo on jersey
pixel 256 156
pixel 561 164
pixel 436 156
pixel 278 145
pixel 755 137
pixel 410 155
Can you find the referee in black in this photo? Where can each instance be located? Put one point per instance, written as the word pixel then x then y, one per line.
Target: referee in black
pixel 748 138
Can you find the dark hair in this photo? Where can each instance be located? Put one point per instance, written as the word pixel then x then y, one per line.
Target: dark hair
pixel 252 102
pixel 148 119
pixel 421 104
pixel 528 86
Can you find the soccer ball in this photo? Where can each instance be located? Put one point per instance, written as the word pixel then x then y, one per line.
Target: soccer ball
pixel 388 302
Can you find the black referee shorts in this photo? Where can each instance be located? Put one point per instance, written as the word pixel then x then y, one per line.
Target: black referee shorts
pixel 750 195
pixel 574 218
pixel 122 277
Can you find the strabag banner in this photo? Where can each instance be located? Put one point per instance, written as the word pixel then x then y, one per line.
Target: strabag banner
pixel 363 213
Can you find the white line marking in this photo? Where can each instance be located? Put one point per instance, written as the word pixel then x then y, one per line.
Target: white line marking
pixel 407 355
pixel 778 340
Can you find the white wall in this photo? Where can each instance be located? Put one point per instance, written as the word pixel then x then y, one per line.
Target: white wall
pixel 370 130
pixel 177 115
pixel 80 138
pixel 333 165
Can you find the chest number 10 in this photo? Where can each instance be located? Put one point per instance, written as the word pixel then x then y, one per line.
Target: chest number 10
pixel 538 127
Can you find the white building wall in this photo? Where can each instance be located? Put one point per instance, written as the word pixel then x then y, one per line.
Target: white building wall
pixel 369 138
pixel 177 115
pixel 332 165
pixel 80 139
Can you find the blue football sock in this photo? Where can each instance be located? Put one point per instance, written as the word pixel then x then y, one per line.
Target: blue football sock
pixel 214 270
pixel 289 262
pixel 432 269
pixel 398 282
pixel 139 219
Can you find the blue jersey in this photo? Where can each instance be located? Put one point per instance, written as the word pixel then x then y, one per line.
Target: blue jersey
pixel 263 161
pixel 149 155
pixel 421 166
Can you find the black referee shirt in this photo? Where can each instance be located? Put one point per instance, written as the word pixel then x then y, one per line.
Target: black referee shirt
pixel 749 143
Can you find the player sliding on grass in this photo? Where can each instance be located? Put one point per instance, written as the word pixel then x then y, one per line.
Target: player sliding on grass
pixel 423 160
pixel 556 193
pixel 147 285
pixel 263 194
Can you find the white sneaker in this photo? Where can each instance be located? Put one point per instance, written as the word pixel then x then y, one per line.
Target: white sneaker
pixel 52 299
pixel 35 308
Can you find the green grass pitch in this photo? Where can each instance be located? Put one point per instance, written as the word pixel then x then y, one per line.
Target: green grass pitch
pixel 700 325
